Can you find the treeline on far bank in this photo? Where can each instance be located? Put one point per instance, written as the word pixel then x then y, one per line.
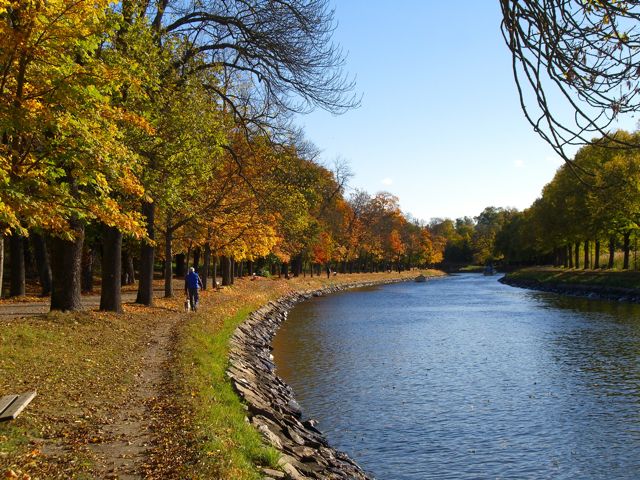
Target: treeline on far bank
pixel 587 217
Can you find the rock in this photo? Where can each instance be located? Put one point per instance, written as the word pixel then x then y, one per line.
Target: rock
pixel 287 465
pixel 271 406
pixel 274 474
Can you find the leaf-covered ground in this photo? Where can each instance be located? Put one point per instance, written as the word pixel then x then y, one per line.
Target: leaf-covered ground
pixel 137 395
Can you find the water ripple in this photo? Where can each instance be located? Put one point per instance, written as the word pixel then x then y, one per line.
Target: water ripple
pixel 465 378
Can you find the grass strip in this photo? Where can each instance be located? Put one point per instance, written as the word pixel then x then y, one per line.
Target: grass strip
pixel 565 277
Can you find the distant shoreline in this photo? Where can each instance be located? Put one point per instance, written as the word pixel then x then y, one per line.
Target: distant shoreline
pixel 601 285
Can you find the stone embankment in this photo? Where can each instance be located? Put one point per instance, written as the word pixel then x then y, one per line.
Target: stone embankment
pixel 618 294
pixel 272 408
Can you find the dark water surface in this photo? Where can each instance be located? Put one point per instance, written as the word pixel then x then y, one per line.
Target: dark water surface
pixel 466 378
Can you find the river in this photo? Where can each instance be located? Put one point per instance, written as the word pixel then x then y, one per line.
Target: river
pixel 465 378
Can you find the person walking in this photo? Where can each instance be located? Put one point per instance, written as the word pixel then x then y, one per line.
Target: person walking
pixel 192 283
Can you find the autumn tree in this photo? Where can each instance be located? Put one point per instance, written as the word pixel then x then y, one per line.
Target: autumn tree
pixel 62 160
pixel 269 59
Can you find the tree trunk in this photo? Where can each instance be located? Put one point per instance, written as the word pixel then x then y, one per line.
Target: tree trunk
pixel 168 264
pixel 232 271
pixel 88 257
pixel 570 255
pixel 586 254
pixel 577 253
pixel 66 271
pixel 1 262
pixel 128 271
pixel 626 238
pixel 215 272
pixel 250 267
pixel 225 265
pixel 42 262
pixel 111 282
pixel 196 258
pixel 147 254
pixel 285 270
pixel 612 251
pixel 180 265
pixel 596 256
pixel 17 287
pixel 206 260
pixel 30 267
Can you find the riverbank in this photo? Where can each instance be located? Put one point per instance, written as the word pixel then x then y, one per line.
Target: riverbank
pixel 138 395
pixel 623 286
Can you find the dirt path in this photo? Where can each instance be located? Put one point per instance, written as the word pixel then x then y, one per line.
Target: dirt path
pixel 128 436
pixel 123 438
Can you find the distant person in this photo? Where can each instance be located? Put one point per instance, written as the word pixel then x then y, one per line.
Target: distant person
pixel 192 283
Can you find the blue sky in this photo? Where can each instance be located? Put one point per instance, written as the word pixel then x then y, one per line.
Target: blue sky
pixel 440 124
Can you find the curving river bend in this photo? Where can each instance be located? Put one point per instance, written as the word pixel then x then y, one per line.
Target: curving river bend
pixel 466 378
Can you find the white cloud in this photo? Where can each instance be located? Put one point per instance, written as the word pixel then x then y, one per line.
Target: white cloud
pixel 387 181
pixel 518 163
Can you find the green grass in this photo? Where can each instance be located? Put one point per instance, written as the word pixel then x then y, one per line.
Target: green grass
pixel 228 447
pixel 560 276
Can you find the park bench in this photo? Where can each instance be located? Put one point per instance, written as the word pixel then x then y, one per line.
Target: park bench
pixel 12 405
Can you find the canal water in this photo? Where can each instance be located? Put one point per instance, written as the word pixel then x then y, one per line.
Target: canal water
pixel 466 378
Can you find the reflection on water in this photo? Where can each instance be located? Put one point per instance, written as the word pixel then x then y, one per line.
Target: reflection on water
pixel 464 377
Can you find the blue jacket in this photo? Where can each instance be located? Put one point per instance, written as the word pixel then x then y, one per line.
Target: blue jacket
pixel 192 280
